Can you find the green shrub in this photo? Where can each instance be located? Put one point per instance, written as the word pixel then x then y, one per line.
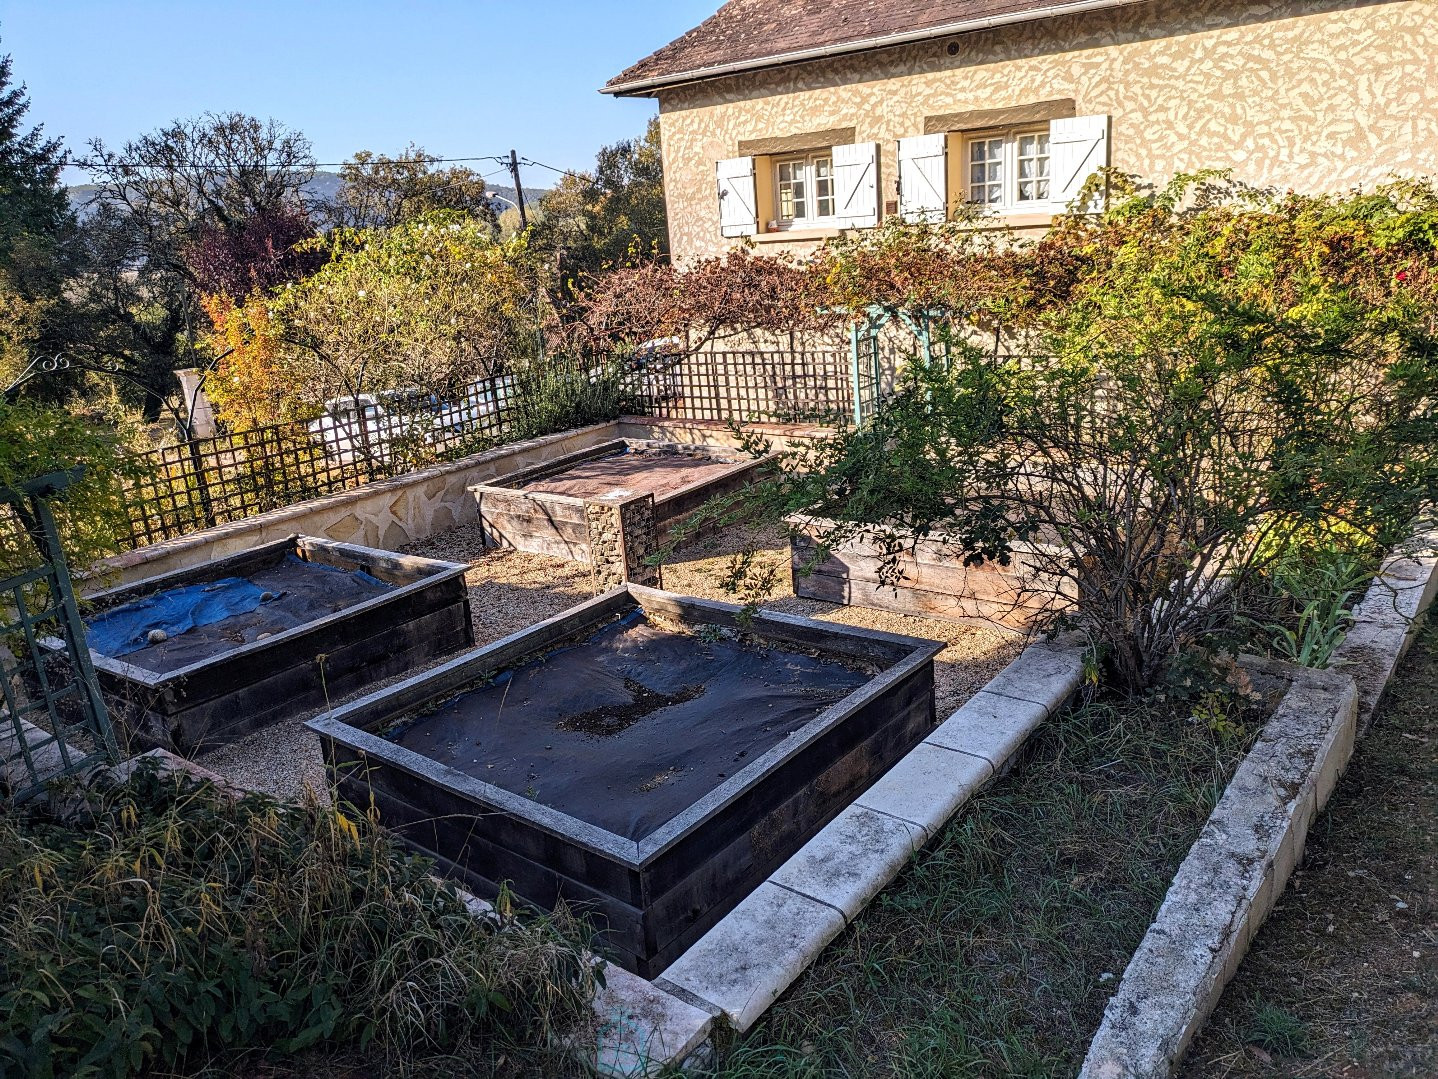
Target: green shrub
pixel 177 925
pixel 558 393
pixel 95 512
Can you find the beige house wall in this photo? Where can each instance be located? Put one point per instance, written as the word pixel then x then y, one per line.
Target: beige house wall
pixel 1313 95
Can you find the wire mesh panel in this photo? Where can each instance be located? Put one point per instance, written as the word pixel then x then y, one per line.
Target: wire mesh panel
pixel 53 721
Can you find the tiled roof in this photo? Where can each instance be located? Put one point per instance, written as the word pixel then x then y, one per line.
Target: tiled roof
pixel 746 34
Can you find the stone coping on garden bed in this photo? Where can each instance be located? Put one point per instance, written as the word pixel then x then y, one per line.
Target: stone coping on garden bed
pixel 1253 840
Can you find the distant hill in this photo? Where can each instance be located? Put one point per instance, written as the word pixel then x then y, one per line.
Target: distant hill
pixel 324 187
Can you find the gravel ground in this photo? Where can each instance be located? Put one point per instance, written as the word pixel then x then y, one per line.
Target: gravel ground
pixel 510 590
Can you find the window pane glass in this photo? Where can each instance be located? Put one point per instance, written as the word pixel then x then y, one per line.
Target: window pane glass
pixel 986 171
pixel 823 187
pixel 1032 153
pixel 789 176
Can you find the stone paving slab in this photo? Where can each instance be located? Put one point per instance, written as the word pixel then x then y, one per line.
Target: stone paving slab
pixel 927 786
pixel 989 726
pixel 847 863
pixel 1046 673
pixel 642 1029
pixel 754 953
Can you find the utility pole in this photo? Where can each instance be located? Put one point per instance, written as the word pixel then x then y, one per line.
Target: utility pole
pixel 518 190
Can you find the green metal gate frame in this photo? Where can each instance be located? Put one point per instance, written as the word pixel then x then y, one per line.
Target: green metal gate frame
pixel 865 364
pixel 34 753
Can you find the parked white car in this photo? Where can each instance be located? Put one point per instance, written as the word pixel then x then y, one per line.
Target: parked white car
pixel 364 426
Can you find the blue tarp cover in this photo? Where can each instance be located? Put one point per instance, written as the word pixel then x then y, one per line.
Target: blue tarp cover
pixel 125 629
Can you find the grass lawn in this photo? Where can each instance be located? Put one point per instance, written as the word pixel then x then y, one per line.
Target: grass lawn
pixel 1343 979
pixel 995 951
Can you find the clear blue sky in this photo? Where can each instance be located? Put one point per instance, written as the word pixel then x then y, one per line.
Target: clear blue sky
pixel 458 78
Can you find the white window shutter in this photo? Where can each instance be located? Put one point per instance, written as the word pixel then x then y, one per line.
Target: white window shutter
pixel 738 205
pixel 856 184
pixel 923 178
pixel 1078 148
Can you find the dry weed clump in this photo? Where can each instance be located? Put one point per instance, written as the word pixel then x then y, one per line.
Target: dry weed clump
pixel 174 925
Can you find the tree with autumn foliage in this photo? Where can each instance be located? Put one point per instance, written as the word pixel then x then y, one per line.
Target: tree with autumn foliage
pixel 378 191
pixel 434 303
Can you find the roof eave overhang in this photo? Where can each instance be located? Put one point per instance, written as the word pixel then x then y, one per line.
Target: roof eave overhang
pixel 642 87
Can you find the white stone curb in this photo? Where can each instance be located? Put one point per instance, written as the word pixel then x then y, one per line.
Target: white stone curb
pixel 754 954
pixel 1387 619
pixel 1235 872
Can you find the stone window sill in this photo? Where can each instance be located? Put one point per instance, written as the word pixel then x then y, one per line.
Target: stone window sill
pixel 787 236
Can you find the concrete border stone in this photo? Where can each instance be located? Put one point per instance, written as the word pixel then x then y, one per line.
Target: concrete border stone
pixel 1387 619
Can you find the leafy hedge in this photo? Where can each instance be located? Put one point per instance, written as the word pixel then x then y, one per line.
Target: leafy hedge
pixel 176 925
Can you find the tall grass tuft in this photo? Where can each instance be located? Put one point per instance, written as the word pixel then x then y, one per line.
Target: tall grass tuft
pixel 176 926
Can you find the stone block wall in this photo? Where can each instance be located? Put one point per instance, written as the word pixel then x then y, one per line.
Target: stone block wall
pixel 621 539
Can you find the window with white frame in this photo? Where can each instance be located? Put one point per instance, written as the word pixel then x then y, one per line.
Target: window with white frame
pixel 1009 170
pixel 803 190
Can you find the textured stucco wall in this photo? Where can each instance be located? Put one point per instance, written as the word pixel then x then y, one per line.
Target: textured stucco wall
pixel 1304 94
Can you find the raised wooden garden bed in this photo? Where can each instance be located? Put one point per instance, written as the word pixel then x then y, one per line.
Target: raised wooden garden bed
pixel 612 505
pixel 646 756
pixel 935 582
pixel 324 619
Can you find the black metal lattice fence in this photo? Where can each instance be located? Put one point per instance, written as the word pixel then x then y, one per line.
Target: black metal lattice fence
pixel 208 481
pixel 744 385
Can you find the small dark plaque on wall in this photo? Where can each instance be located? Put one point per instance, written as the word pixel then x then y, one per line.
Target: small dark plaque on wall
pixel 891 206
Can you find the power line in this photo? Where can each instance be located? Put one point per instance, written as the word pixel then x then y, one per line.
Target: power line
pixel 91 164
pixel 586 177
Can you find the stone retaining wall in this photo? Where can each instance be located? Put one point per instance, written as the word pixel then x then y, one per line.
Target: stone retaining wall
pixel 392 512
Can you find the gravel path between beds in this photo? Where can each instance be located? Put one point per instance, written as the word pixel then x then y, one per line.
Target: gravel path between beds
pixel 511 590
